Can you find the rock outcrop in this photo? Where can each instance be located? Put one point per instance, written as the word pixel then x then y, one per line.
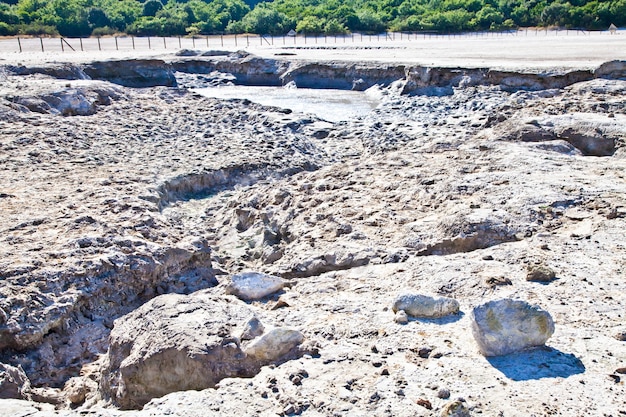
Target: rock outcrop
pixel 132 73
pixel 13 382
pixel 591 134
pixel 177 342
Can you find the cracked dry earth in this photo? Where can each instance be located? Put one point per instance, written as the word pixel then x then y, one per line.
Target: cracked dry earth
pixel 160 190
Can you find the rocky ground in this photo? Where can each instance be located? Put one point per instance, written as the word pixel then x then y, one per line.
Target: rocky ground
pixel 462 183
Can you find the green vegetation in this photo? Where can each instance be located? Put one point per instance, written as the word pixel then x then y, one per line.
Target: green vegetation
pixel 75 18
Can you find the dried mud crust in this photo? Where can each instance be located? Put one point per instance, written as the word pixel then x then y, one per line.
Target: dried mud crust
pixel 163 191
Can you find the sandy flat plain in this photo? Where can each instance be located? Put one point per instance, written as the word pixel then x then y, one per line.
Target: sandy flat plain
pixel 528 49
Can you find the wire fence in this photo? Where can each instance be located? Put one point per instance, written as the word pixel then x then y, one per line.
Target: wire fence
pixel 128 43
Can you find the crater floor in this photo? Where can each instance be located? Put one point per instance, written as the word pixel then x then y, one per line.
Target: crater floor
pixel 111 196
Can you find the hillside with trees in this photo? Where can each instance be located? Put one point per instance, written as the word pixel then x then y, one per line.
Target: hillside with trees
pixel 74 18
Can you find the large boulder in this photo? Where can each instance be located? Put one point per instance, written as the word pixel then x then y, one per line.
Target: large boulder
pixel 177 342
pixel 506 326
pixel 418 305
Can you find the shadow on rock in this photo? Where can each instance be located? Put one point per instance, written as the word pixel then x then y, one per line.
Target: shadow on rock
pixel 544 362
pixel 453 318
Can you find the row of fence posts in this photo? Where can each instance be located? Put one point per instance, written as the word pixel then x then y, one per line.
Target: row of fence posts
pixel 65 43
pixel 263 38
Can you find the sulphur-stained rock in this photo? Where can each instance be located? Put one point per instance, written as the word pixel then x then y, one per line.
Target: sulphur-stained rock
pixel 540 273
pixel 13 382
pixel 274 344
pixel 78 389
pixel 250 286
pixel 456 408
pixel 506 326
pixel 419 305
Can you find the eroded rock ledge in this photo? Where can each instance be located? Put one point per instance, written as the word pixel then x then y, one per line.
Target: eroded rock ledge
pixel 250 70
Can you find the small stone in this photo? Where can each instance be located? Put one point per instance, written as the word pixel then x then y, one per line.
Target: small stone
pixel 487 258
pixel 505 326
pixel 253 328
pixel 418 305
pixel 250 286
pixel 424 403
pixel 620 371
pixel 621 336
pixel 456 408
pixel 443 393
pixel 498 281
pixel 280 304
pixel 424 352
pixel 401 317
pixel 343 229
pixel 540 273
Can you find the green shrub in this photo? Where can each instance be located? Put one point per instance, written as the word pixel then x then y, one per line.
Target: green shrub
pixel 37 29
pixel 103 31
pixel 7 30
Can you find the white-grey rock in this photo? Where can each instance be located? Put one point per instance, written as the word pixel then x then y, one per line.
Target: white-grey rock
pixel 274 344
pixel 419 305
pixel 401 317
pixel 250 286
pixel 252 329
pixel 505 326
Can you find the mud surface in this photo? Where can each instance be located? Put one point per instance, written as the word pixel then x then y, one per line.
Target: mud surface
pixel 456 185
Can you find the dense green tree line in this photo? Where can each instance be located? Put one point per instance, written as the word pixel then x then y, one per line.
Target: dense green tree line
pixel 181 17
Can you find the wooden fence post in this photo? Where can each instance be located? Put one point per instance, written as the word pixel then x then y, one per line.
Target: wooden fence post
pixel 99 46
pixel 116 45
pixel 133 39
pixel 67 43
pixel 81 44
pixel 149 45
pixel 41 42
pixel 164 44
pixel 19 44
